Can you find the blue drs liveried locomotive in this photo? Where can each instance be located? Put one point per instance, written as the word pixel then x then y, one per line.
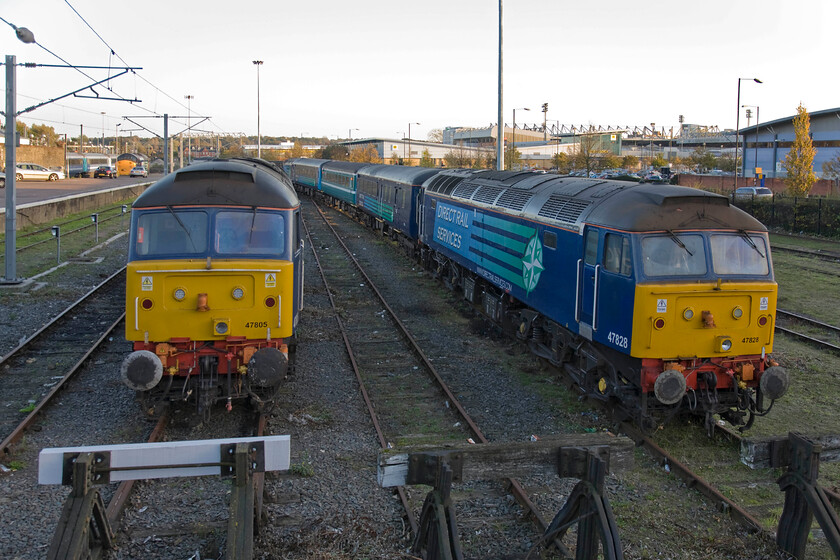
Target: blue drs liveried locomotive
pixel 657 298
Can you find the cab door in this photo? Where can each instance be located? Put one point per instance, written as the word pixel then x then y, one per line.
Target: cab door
pixel 587 284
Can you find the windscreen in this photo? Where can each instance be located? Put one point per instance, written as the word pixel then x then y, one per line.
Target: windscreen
pixel 740 254
pixel 674 255
pixel 171 233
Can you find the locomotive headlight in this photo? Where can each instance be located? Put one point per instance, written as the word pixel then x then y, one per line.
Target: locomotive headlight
pixel 724 344
pixel 659 323
pixel 688 314
pixel 220 326
pixel 238 293
pixel 737 313
pixel 179 294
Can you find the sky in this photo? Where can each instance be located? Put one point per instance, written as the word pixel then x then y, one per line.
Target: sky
pixel 369 68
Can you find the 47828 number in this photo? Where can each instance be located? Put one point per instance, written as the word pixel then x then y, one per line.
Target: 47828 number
pixel 618 340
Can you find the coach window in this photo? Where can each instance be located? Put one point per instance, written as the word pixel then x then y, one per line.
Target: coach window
pixel 550 240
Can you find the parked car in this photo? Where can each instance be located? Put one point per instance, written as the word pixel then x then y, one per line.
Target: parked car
pixel 139 171
pixel 747 193
pixel 2 180
pixel 105 171
pixel 37 172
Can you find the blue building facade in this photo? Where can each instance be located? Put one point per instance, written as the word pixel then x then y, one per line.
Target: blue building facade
pixel 767 144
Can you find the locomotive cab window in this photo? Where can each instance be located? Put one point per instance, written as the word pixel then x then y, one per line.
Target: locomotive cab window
pixel 617 256
pixel 739 254
pixel 591 247
pixel 674 255
pixel 249 233
pixel 550 240
pixel 163 233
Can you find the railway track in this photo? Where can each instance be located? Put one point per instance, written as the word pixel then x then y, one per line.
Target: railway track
pixel 750 499
pixel 823 255
pixel 821 334
pixel 33 373
pixel 405 407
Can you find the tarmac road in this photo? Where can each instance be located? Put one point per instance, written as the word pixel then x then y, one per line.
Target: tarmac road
pixel 39 191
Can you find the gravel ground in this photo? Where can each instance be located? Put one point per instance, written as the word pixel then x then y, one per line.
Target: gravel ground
pixel 329 506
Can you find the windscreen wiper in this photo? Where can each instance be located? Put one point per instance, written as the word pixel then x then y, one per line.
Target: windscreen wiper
pixel 180 223
pixel 746 237
pixel 679 242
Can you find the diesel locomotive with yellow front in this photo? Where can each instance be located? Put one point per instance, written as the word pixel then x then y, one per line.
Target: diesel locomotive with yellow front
pixel 657 299
pixel 214 285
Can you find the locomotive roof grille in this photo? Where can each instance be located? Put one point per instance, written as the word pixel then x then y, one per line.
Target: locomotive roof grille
pixel 487 194
pixel 465 190
pixel 514 199
pixel 214 175
pixel 563 208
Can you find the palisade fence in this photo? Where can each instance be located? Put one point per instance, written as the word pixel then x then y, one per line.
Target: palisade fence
pixel 811 216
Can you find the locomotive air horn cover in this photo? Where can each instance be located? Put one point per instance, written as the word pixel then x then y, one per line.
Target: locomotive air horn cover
pixel 267 367
pixel 141 370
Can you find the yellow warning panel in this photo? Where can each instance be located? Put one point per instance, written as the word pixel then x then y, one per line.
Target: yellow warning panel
pixel 146 284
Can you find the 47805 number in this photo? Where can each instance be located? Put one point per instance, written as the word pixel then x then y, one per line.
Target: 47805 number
pixel 256 324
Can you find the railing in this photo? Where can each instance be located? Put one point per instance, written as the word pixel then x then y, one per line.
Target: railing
pixel 813 216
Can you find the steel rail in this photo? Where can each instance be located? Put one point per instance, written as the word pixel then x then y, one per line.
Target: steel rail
pixel 808 320
pixel 120 498
pixel 515 486
pixel 17 433
pixel 363 389
pixel 58 317
pixel 693 480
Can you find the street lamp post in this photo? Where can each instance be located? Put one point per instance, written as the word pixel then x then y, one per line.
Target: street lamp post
pixel 189 129
pixel 409 142
pixel 652 128
pixel 103 131
pixel 755 157
pixel 258 63
pixel 513 135
pixel 117 139
pixel 738 126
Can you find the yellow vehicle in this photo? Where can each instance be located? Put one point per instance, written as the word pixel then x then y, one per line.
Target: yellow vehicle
pixel 214 285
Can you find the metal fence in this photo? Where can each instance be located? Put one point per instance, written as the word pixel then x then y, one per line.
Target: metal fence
pixel 812 216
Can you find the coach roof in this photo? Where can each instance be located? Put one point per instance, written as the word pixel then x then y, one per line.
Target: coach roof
pixel 233 182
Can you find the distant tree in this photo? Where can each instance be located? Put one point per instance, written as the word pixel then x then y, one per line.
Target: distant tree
pixel 611 161
pixel 561 161
pixel 232 150
pixel 395 159
pixel 629 162
pixel 366 154
pixel 458 159
pixel 799 162
pixel 831 168
pixel 435 135
pixel 588 153
pixel 659 161
pixel 333 151
pixel 297 150
pixel 703 159
pixel 426 159
pixel 512 157
pixel 726 163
